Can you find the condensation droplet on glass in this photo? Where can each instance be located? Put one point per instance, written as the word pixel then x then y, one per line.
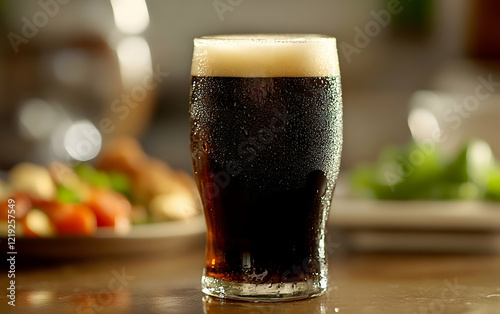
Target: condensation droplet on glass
pixel 206 147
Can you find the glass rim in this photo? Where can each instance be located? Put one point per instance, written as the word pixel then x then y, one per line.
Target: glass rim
pixel 263 38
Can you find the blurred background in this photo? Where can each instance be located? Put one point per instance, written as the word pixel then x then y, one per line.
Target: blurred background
pixel 100 69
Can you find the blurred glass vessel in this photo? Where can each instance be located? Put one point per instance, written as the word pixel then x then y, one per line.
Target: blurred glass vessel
pixel 73 76
pixel 266 139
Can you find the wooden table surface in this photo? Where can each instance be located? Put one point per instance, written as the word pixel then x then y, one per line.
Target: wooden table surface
pixel 360 283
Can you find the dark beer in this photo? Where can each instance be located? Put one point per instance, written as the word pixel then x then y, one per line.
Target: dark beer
pixel 266 153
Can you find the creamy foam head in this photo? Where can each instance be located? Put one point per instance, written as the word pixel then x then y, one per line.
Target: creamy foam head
pixel 294 55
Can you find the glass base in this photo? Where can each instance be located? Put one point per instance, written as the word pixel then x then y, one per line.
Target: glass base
pixel 266 292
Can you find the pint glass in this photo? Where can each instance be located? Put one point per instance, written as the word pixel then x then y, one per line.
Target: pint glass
pixel 266 140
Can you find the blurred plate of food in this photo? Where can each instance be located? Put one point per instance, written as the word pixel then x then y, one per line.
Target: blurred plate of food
pixel 415 198
pixel 166 238
pixel 125 202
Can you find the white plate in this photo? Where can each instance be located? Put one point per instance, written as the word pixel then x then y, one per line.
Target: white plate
pixel 416 226
pixel 164 237
pixel 437 215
